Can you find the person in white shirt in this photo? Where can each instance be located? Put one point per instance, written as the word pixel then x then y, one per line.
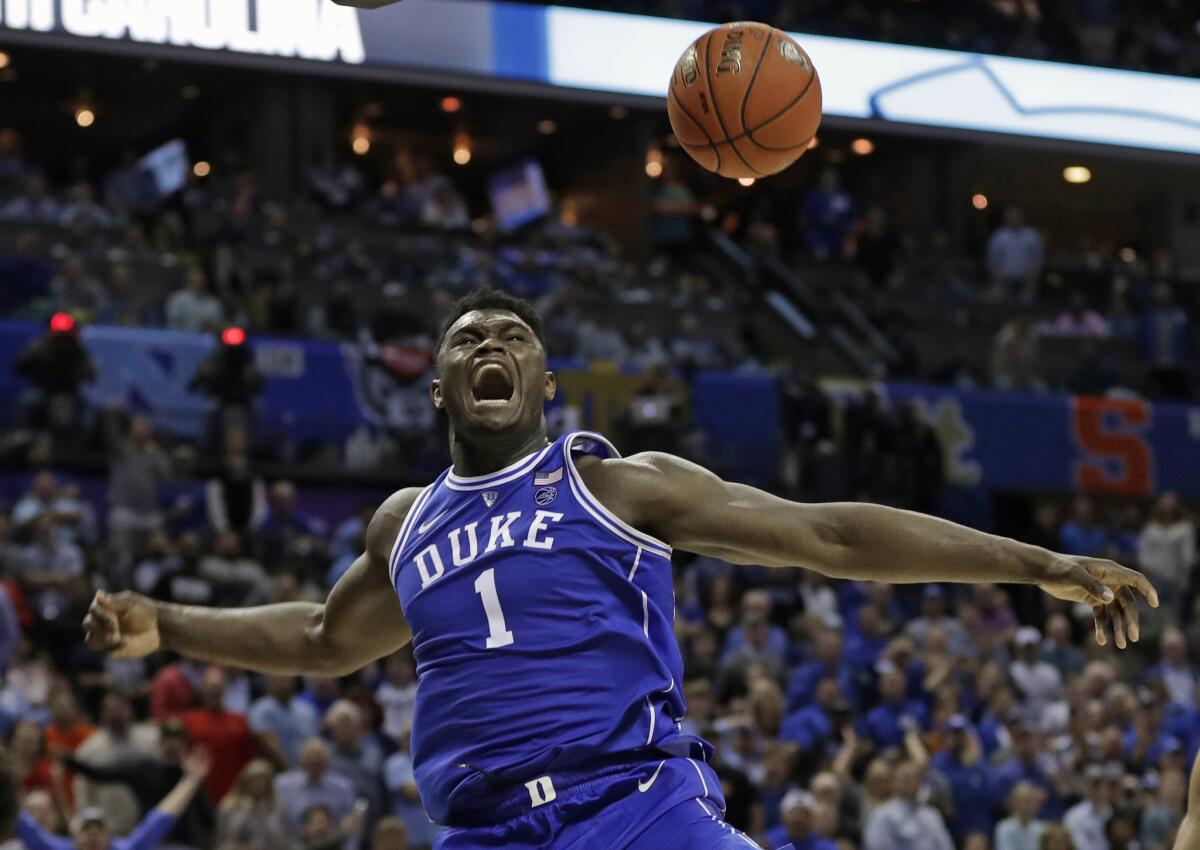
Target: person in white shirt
pixel 1086 819
pixel 905 823
pixel 1022 830
pixel 1166 550
pixel 194 308
pixel 1014 257
pixel 1038 682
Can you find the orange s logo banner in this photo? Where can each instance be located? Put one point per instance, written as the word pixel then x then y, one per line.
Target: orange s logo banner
pixel 1111 435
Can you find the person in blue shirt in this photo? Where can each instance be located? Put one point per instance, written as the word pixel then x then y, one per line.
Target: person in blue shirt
pixel 89 830
pixel 972 783
pixel 818 723
pixel 827 661
pixel 1083 535
pixel 887 723
pixel 1030 763
pixel 865 648
pixel 796 824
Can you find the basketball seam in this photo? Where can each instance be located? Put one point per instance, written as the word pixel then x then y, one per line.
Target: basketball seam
pixel 716 108
pixel 750 132
pixel 762 55
pixel 684 109
pixel 785 148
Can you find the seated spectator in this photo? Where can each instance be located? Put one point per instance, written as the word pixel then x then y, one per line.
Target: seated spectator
pixel 282 722
pixel 319 831
pixel 1166 342
pixel 223 733
pixel 1078 320
pixel 827 217
pixel 355 756
pixel 1175 669
pixel 887 723
pixel 755 652
pixel 1087 819
pixel 643 349
pixel 51 568
pixel 30 765
pixel 445 210
pixel 1021 830
pixel 1038 682
pixel 405 800
pixel 1164 809
pixel 390 834
pixel 77 291
pixel 692 348
pixel 972 780
pixel 817 726
pixel 89 828
pixel 756 605
pixel 25 276
pixel 250 818
pixel 194 307
pixel 934 616
pixel 44 497
pixel 287 530
pixel 397 693
pixel 239 580
pixel 138 468
pixel 903 822
pixel 674 210
pixel 235 498
pixel 81 209
pixel 1015 357
pixel 796 824
pixel 1058 648
pixel 311 784
pixel 1083 534
pixel 33 206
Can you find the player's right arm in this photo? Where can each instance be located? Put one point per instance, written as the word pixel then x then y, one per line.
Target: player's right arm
pixel 1188 836
pixel 359 622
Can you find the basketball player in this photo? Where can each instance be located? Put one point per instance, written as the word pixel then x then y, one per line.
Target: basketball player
pixel 534 581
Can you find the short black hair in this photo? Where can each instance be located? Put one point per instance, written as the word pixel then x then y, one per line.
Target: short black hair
pixel 490 298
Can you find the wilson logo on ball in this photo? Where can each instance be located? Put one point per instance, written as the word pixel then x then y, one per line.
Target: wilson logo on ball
pixel 792 53
pixel 687 67
pixel 731 53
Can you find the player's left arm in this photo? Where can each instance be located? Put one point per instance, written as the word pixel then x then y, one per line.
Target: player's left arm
pixel 692 509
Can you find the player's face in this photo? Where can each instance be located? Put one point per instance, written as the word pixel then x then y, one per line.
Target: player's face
pixel 492 374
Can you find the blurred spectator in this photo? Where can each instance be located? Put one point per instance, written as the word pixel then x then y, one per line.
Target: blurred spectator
pixel 235 498
pixel 643 349
pixel 391 834
pixel 1092 374
pixel 287 532
pixel 223 733
pixel 1175 670
pixel 76 290
pixel 896 715
pixel 33 206
pixel 355 756
pixel 656 419
pixel 320 832
pixel 312 784
pixel 1015 362
pixel 1164 809
pixel 29 763
pixel 281 721
pixel 1014 258
pixel 1079 320
pixel 229 377
pixel 905 822
pixel 1038 682
pixel 972 780
pixel 1058 648
pixel 1166 552
pixel 445 210
pixel 674 209
pixel 405 800
pixel 692 348
pixel 90 830
pixel 1032 764
pixel 118 740
pixel 137 470
pixel 1166 340
pixel 877 247
pixel 1083 534
pixel 249 817
pixel 827 216
pixel 25 275
pixel 81 209
pixel 796 826
pixel 397 693
pixel 1087 819
pixel 934 616
pixel 827 662
pixel 1021 830
pixel 193 307
pixel 51 566
pixel 145 777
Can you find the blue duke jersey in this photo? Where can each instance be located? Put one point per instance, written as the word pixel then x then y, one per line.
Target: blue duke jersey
pixel 542 630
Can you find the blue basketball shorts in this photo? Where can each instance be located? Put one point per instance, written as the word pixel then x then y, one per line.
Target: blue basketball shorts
pixel 670 804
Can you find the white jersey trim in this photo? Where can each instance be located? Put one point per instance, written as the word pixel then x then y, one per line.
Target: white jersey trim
pixel 406 528
pixel 500 476
pixel 602 514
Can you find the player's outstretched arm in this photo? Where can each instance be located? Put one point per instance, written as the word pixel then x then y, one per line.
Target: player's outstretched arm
pixel 692 509
pixel 359 622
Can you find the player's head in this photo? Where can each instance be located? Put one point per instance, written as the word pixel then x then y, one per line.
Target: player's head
pixel 491 366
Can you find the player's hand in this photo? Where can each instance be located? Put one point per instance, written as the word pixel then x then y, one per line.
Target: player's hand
pixel 125 625
pixel 1107 587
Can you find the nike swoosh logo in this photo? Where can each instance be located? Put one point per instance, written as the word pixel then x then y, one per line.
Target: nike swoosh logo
pixel 425 526
pixel 645 786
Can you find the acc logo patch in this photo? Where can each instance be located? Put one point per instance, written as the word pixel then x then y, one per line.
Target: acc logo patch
pixel 545 495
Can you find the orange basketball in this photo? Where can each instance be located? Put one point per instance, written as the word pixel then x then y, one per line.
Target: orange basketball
pixel 745 100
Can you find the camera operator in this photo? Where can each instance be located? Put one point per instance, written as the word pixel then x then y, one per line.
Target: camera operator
pixel 230 378
pixel 57 365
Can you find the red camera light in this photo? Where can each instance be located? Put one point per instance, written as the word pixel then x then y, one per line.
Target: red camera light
pixel 62 323
pixel 233 336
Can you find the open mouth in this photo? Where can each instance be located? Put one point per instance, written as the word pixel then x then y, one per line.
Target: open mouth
pixel 491 384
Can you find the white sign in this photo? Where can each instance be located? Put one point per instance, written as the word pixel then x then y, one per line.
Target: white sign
pixel 308 29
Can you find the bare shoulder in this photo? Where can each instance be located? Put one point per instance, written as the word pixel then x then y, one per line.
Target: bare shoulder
pixel 641 487
pixel 385 525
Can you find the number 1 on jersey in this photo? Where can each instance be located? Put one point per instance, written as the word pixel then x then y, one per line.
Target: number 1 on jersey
pixel 485 586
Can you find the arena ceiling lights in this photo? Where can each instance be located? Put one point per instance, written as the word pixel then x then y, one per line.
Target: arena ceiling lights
pixel 632 56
